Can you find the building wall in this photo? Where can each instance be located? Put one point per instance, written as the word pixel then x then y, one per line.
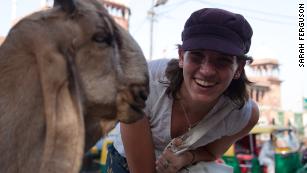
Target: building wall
pixel 119 11
pixel 272 96
pixel 266 89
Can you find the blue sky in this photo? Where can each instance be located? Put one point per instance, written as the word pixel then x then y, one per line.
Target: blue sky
pixel 275 25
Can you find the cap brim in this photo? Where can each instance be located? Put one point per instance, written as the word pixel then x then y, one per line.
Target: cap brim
pixel 212 43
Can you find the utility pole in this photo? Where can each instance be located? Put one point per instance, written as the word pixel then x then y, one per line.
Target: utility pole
pixel 14 10
pixel 152 14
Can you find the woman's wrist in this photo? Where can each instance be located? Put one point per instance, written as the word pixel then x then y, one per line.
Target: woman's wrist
pixel 193 157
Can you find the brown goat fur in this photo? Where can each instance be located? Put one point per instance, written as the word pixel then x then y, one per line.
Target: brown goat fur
pixel 62 72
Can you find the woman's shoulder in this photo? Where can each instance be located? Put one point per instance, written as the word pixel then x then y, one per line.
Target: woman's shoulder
pixel 252 121
pixel 254 114
pixel 253 110
pixel 238 119
pixel 158 85
pixel 157 69
pixel 158 62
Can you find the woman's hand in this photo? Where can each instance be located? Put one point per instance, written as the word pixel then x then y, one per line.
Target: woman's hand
pixel 169 162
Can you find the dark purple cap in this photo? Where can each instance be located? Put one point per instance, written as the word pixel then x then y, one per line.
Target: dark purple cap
pixel 218 30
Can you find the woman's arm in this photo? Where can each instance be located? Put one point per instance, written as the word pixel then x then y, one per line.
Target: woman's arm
pixel 138 146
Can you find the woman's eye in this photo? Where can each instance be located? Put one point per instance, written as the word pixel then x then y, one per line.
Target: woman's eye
pixel 102 38
pixel 226 60
pixel 196 53
pixel 196 59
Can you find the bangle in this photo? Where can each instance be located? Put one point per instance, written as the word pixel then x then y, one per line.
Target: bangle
pixel 193 157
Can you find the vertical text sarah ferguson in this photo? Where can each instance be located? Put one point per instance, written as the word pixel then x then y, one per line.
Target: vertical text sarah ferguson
pixel 301 35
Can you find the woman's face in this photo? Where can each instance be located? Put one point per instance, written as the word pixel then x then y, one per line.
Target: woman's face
pixel 207 74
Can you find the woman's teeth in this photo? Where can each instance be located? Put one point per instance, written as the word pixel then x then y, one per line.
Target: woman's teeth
pixel 204 83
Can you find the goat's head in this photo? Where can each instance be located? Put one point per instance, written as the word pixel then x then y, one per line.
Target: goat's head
pixel 75 65
pixel 111 65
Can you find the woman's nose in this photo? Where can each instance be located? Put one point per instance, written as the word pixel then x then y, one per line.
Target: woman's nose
pixel 207 67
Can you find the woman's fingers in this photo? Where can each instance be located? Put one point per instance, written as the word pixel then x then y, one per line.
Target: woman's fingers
pixel 162 164
pixel 165 164
pixel 177 142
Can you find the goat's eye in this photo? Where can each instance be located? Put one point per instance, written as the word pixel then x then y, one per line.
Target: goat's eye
pixel 102 38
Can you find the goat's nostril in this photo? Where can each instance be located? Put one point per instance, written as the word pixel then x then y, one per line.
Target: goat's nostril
pixel 143 94
pixel 139 92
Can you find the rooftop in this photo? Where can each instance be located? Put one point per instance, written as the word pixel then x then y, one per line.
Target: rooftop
pixel 117 2
pixel 265 61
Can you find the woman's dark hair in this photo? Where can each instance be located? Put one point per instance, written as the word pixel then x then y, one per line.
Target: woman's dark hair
pixel 175 76
pixel 236 91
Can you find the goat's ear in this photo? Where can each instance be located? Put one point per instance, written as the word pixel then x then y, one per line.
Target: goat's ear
pixel 64 140
pixel 68 5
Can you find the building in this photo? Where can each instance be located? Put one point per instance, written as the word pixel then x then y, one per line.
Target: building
pixel 266 92
pixel 119 11
pixel 266 88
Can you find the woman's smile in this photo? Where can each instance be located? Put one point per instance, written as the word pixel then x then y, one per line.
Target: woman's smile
pixel 204 83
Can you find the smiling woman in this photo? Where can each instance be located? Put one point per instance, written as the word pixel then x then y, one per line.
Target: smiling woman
pixel 216 68
pixel 206 80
